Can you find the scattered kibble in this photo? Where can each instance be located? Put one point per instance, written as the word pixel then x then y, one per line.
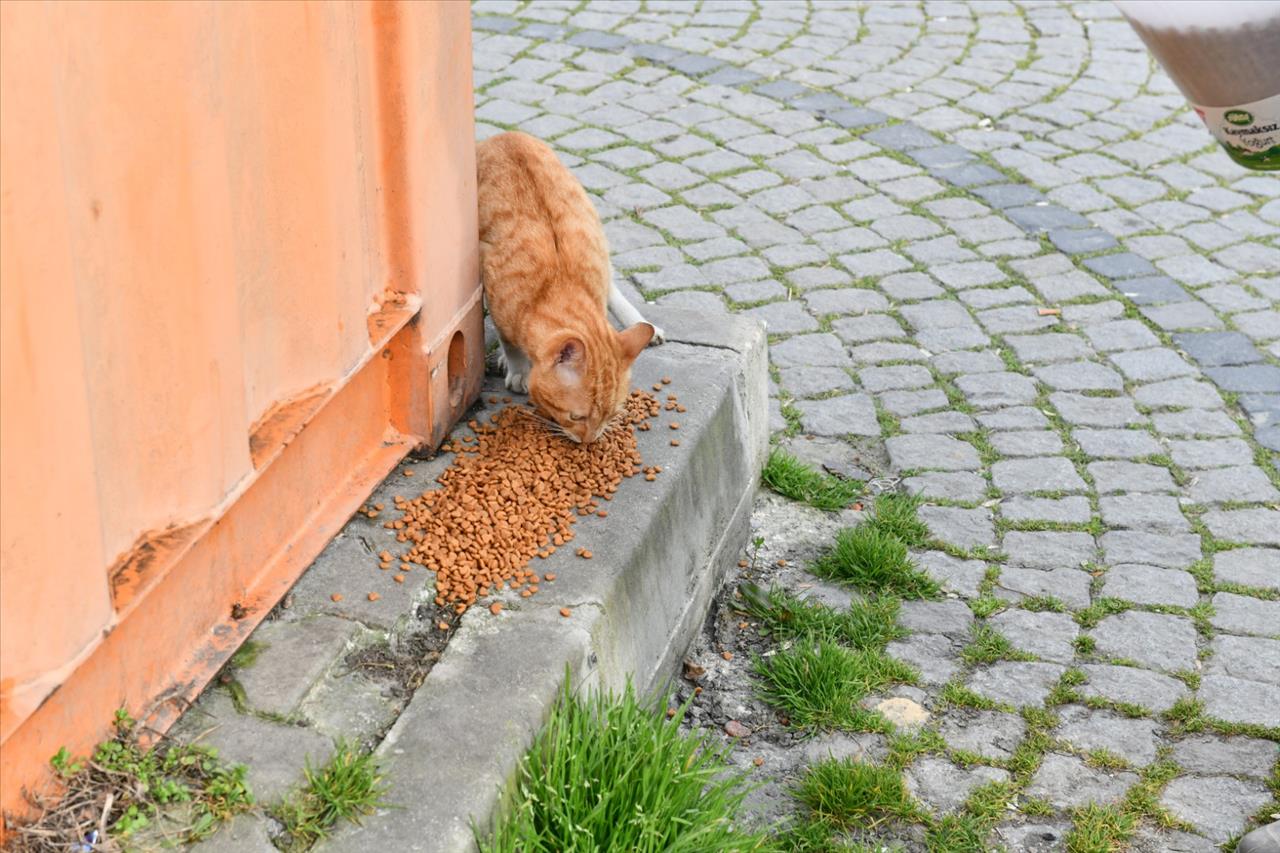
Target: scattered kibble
pixel 495 608
pixel 602 513
pixel 671 712
pixel 742 564
pixel 443 626
pixel 373 596
pixel 675 442
pixel 337 596
pixel 782 563
pixel 727 655
pixel 675 425
pixel 398 578
pixel 586 555
pixel 564 611
pixel 758 760
pixel 666 380
pixel 549 576
pixel 657 386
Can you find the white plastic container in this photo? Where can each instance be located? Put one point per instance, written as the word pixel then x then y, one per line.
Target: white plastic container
pixel 1225 57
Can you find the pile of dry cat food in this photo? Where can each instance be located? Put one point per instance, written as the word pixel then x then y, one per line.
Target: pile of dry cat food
pixel 513 494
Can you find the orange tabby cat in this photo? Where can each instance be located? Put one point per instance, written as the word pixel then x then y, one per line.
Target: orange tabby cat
pixel 548 284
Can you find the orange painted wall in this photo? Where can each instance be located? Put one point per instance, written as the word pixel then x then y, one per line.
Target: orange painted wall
pixel 220 225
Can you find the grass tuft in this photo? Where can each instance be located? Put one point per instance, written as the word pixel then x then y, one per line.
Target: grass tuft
pixel 876 561
pixel 844 793
pixel 788 476
pixel 1100 829
pixel 868 624
pixel 348 787
pixel 895 514
pixel 609 773
pixel 819 685
pixel 989 645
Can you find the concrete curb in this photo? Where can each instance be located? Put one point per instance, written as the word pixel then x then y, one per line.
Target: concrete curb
pixel 635 607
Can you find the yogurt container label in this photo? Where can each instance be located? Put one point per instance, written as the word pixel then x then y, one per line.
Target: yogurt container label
pixel 1249 132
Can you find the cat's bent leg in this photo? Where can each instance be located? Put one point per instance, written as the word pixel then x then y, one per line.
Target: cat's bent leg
pixel 512 359
pixel 628 315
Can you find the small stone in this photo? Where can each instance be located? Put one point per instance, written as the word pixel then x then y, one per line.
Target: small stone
pixel 903 713
pixel 735 729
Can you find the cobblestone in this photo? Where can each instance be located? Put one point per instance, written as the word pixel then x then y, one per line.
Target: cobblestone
pixel 749 165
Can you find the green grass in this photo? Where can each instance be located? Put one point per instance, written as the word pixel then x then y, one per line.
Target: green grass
pixel 1100 829
pixel 989 645
pixel 610 773
pixel 843 794
pixel 348 787
pixel 868 624
pixel 787 475
pixel 895 514
pixel 819 685
pixel 874 560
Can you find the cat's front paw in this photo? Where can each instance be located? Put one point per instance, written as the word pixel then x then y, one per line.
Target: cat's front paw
pixel 518 382
pixel 659 337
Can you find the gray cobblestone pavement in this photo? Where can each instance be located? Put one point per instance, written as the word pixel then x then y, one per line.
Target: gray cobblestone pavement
pixel 992 235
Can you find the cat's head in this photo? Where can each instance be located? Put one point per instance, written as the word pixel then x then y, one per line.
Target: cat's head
pixel 582 381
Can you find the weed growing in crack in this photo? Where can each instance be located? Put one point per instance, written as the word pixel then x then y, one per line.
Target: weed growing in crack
pixel 788 476
pixel 875 561
pixel 347 787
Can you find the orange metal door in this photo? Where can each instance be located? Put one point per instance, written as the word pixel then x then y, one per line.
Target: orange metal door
pixel 238 282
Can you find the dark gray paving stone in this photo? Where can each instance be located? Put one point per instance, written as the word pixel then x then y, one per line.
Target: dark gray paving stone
pixel 1153 290
pixel 1048 636
pixel 1255 567
pixel 1160 513
pixel 1067 782
pixel 692 65
pixel 1245 526
pixel 1048 549
pixel 932 452
pixel 965 528
pixel 1080 241
pixel 1016 683
pixel 1114 477
pixel 1132 686
pixel 1169 550
pixel 950 617
pixel 818 350
pixel 1043 218
pixel 1156 640
pixel 1121 266
pixel 1149 585
pixel 895 378
pixel 855 117
pixel 906 403
pixel 1026 443
pixel 781 90
pixel 1239 700
pixel 1134 740
pixel 948 485
pixel 1251 658
pixel 956 575
pixel 902 137
pixel 1253 378
pixel 1210 453
pixel 941 156
pixel 492 24
pixel 1005 196
pixel 729 76
pixel 1116 443
pixel 1217 806
pixel 992 734
pixel 1244 614
pixel 1211 754
pixel 819 102
pixel 1218 349
pixel 1069 510
pixel 1240 483
pixel 850 414
pixel 944 787
pixel 968 175
pixel 1068 585
pixel 1043 474
pixel 598 41
pixel 936 656
pixel 1080 410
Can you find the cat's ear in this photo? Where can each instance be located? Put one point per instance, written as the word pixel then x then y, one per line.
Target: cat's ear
pixel 570 359
pixel 634 339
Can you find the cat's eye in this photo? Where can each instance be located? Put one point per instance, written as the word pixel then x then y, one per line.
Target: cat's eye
pixel 573 417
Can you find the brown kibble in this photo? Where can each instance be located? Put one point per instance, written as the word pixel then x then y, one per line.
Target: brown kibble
pixel 666 380
pixel 408 472
pixel 398 578
pixel 671 712
pixel 564 611
pixel 495 608
pixel 525 594
pixel 657 386
pixel 681 409
pixel 373 596
pixel 337 596
pixel 675 442
pixel 674 425
pixel 602 513
pixel 782 563
pixel 384 566
pixel 651 477
pixel 549 576
pixel 443 626
pixel 758 760
pixel 586 555
pixel 727 655
pixel 697 691
pixel 742 564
